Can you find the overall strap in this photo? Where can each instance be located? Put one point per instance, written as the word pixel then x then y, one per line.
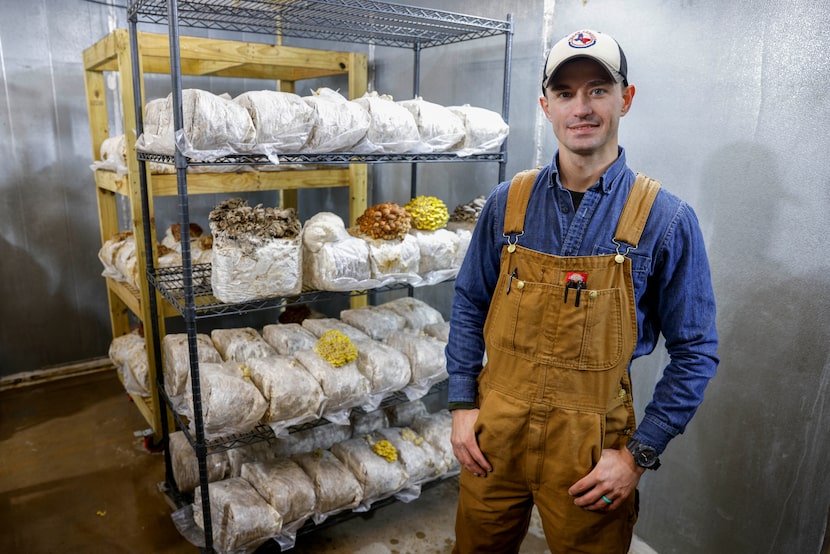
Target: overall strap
pixel 517 197
pixel 636 210
pixel 632 220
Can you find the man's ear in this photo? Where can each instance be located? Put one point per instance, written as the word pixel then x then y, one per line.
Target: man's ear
pixel 543 101
pixel 628 97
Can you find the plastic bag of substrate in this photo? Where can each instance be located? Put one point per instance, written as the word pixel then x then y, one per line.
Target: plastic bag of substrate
pixel 440 129
pixel 257 252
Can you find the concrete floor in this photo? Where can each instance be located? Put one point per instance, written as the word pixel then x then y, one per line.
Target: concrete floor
pixel 75 478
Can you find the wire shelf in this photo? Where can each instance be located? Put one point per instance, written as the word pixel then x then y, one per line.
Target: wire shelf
pixel 263 432
pixel 180 499
pixel 358 21
pixel 393 399
pixel 342 158
pixel 259 433
pixel 169 281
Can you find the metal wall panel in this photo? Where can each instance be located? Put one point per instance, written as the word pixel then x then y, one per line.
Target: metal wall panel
pixel 730 114
pixel 52 302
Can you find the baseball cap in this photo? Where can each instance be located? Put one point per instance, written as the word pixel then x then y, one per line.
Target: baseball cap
pixel 586 43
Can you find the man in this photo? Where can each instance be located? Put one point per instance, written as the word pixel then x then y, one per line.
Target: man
pixel 573 272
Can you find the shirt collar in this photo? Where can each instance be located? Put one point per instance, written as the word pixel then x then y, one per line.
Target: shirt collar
pixel 606 181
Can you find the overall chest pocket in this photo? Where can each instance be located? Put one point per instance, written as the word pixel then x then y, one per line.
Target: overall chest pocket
pixel 640 263
pixel 535 323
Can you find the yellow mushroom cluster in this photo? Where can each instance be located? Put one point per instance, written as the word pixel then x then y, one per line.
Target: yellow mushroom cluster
pixel 336 348
pixel 385 450
pixel 246 372
pixel 428 213
pixel 408 434
pixel 387 221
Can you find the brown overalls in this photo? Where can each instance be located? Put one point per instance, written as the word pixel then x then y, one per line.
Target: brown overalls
pixel 555 390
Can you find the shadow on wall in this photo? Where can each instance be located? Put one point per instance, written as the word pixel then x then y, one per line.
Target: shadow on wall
pixel 763 447
pixel 27 330
pixel 52 297
pixel 825 548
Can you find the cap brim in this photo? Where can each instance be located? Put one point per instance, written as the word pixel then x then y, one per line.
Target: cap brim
pixel 612 73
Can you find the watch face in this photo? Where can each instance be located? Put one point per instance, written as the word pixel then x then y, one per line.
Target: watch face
pixel 644 456
pixel 647 458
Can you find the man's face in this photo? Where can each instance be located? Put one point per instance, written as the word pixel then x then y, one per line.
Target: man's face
pixel 584 106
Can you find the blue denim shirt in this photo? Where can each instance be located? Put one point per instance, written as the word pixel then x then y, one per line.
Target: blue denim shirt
pixel 672 286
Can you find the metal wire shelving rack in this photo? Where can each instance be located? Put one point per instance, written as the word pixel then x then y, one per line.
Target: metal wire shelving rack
pixel 356 21
pixel 344 21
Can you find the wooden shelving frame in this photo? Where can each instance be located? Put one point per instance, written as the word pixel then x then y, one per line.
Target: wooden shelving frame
pixel 203 57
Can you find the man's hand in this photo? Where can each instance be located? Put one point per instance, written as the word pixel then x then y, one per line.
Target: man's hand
pixel 465 445
pixel 615 477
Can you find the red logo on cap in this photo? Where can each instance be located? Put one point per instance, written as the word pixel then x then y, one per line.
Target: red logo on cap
pixel 582 39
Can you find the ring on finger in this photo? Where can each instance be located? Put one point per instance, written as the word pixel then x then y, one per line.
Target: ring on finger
pixel 606 499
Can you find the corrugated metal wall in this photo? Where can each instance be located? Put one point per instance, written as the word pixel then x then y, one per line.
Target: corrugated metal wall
pixel 52 303
pixel 729 114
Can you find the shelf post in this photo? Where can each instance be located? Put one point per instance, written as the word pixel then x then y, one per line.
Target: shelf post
pixel 505 95
pixel 187 270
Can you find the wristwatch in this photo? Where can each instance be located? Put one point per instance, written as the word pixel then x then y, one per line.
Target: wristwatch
pixel 644 455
